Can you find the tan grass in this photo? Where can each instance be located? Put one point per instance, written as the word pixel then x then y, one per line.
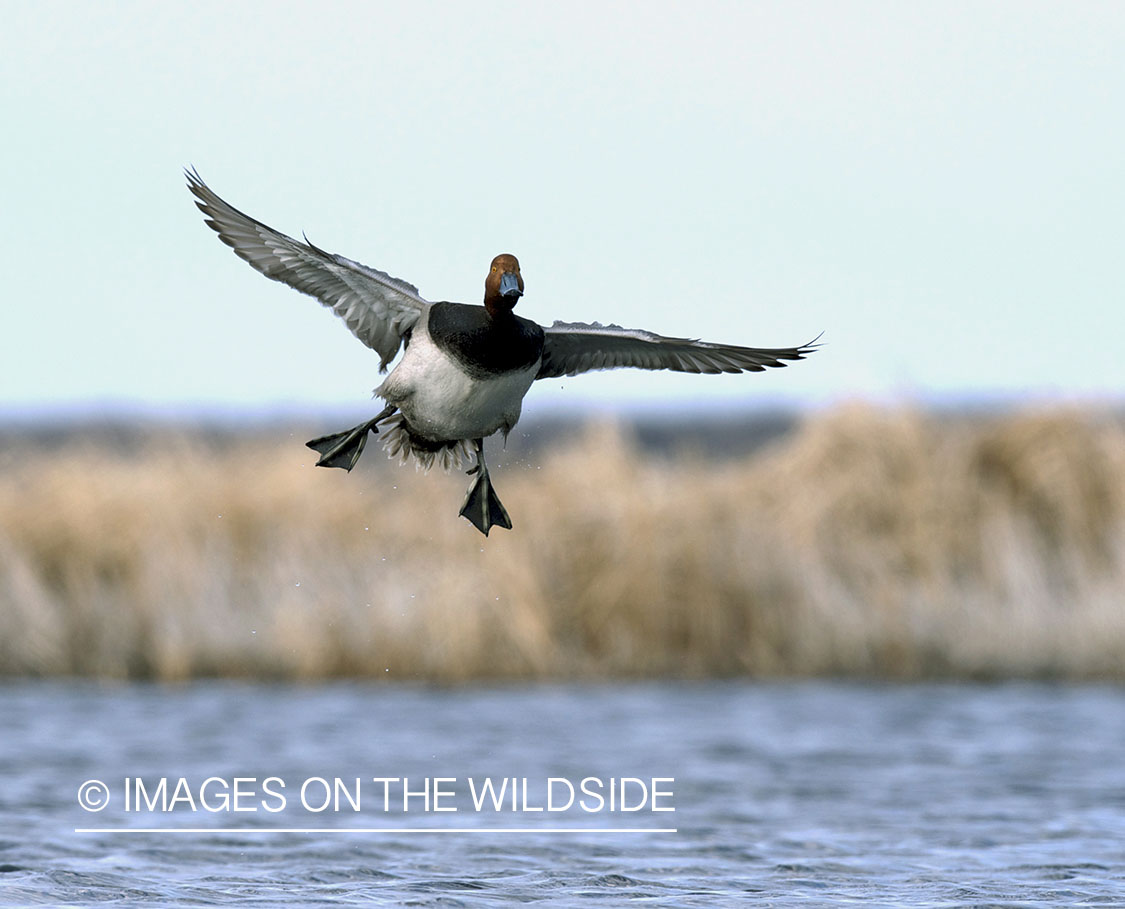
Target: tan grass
pixel 871 542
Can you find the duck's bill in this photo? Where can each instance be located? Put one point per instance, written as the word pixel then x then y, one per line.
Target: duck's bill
pixel 510 285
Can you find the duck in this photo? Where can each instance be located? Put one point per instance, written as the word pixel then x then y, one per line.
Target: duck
pixel 465 368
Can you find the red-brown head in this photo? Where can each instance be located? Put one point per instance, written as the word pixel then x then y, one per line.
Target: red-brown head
pixel 504 284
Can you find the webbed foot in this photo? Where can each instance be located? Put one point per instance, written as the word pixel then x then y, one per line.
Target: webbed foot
pixel 342 449
pixel 482 506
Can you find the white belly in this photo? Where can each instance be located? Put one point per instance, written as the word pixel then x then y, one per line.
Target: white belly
pixel 442 403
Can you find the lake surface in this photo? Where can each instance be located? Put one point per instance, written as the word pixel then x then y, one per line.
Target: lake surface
pixel 793 794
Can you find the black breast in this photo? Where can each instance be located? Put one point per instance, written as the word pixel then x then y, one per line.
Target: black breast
pixel 485 347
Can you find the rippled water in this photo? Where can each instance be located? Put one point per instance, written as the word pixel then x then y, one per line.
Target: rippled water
pixel 790 794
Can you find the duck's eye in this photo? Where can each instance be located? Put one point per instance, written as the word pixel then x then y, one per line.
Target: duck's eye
pixel 494 269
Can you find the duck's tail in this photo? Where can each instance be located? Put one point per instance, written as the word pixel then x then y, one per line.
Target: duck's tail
pixel 403 445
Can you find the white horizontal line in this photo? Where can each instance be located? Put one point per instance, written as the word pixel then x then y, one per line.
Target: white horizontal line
pixel 259 830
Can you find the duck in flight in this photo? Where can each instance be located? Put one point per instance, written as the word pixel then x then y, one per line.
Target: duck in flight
pixel 466 368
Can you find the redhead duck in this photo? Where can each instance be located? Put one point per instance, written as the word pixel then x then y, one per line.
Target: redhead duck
pixel 466 368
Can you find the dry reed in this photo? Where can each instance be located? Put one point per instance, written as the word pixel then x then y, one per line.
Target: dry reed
pixel 869 542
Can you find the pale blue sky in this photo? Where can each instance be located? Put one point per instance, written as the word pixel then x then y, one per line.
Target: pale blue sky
pixel 939 187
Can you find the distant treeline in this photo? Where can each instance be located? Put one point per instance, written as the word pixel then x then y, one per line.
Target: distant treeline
pixel 859 541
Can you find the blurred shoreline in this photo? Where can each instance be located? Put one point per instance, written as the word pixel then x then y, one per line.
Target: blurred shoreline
pixel 858 541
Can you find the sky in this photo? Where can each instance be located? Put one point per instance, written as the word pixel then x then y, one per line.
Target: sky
pixel 939 188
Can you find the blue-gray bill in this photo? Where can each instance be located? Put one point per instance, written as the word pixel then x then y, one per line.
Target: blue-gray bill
pixel 510 285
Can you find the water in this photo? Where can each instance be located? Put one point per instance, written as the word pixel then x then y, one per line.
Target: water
pixel 787 794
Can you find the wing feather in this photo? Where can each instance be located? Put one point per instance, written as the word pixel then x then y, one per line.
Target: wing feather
pixel 378 309
pixel 576 347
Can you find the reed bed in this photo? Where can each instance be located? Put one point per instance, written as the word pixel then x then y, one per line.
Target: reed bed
pixel 868 542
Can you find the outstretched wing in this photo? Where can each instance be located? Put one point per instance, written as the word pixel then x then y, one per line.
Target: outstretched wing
pixel 377 308
pixel 575 347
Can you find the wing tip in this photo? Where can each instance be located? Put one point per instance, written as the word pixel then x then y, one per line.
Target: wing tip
pixel 812 346
pixel 194 181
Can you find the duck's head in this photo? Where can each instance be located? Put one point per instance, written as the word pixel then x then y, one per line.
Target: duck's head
pixel 504 284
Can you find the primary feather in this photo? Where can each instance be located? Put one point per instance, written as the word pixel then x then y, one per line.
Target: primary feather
pixel 572 348
pixel 378 309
